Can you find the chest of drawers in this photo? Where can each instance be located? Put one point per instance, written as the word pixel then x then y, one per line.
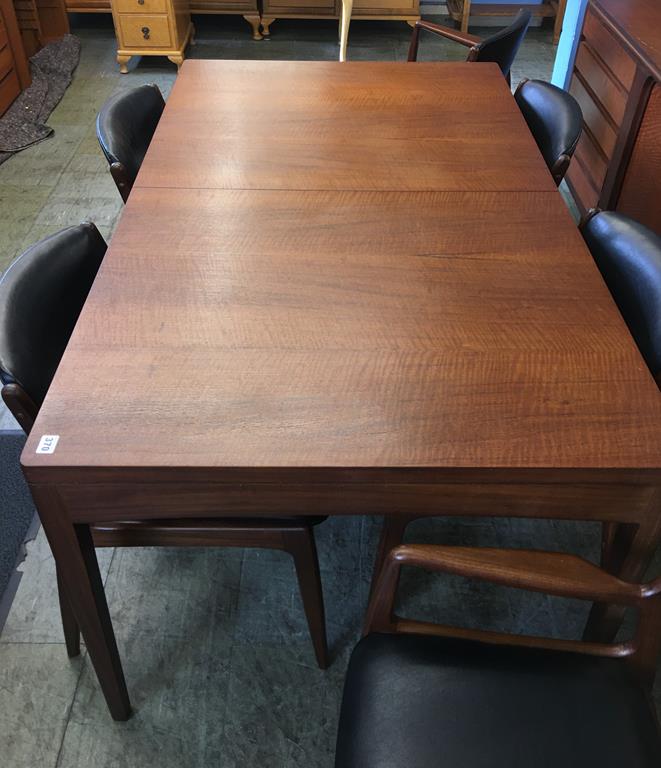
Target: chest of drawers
pixel 617 164
pixel 151 28
pixel 14 70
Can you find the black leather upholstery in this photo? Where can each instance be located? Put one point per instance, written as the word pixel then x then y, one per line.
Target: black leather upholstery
pixel 41 295
pixel 502 47
pixel 125 126
pixel 629 258
pixel 554 118
pixel 429 702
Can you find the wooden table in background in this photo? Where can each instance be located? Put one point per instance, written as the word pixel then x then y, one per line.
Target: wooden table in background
pixel 342 289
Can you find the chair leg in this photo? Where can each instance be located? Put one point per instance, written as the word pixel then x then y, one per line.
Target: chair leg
pixel 392 535
pixel 301 546
pixel 69 623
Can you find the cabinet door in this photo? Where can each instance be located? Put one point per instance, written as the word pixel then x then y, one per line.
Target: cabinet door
pixel 639 196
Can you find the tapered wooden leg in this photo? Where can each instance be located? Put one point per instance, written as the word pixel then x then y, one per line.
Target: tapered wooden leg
pixel 254 22
pixel 75 558
pixel 345 20
pixel 69 623
pixel 123 62
pixel 392 535
pixel 630 551
pixel 266 24
pixel 301 546
pixel 465 19
pixel 559 17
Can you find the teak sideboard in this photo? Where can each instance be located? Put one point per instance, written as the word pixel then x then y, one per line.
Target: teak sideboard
pixel 616 77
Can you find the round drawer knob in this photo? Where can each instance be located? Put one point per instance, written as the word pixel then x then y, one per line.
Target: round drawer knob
pixel 145 33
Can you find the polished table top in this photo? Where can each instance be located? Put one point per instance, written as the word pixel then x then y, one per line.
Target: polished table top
pixel 351 271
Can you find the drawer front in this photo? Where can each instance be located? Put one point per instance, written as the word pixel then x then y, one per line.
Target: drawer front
pixel 582 188
pixel 607 89
pixel 385 7
pixel 213 6
pixel 590 157
pixel 610 50
pixel 311 7
pixel 3 32
pixel 142 6
pixel 9 90
pixel 6 61
pixel 144 31
pixel 595 119
pixel 639 196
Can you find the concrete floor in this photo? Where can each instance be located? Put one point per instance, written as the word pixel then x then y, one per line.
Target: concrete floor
pixel 214 643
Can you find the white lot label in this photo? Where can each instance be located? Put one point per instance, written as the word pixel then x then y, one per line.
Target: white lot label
pixel 47 443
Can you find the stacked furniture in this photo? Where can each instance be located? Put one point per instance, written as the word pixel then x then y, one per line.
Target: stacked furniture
pixel 14 70
pixel 246 8
pixel 463 10
pixel 384 10
pixel 40 21
pixel 616 82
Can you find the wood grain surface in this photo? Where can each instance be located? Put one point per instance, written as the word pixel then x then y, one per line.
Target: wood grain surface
pixel 381 126
pixel 350 329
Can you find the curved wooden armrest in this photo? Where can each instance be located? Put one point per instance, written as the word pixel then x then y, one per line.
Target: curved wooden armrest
pixel 463 38
pixel 554 573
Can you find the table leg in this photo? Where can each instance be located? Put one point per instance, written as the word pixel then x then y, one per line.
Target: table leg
pixel 345 20
pixel 78 569
pixel 629 554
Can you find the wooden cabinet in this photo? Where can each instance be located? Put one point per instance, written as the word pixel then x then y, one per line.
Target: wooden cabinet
pixel 151 28
pixel 616 79
pixel 40 22
pixel 14 70
pixel 393 10
pixel 249 9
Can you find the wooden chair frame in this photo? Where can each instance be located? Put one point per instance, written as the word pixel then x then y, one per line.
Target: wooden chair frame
pixel 122 180
pixel 552 573
pixel 463 38
pixel 297 539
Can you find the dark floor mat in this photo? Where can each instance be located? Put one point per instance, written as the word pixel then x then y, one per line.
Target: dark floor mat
pixel 23 124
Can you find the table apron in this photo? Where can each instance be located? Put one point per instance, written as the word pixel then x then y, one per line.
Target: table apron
pixel 135 501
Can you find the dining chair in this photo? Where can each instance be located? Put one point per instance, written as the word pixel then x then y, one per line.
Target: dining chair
pixel 125 126
pixel 422 695
pixel 500 47
pixel 41 296
pixel 629 258
pixel 555 121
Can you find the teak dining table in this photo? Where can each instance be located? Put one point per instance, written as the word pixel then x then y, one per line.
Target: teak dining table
pixel 342 289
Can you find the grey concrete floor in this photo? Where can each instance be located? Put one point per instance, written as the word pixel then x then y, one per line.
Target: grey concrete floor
pixel 214 643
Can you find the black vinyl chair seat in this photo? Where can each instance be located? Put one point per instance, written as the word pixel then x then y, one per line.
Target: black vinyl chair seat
pixel 629 258
pixel 555 121
pixel 41 295
pixel 125 127
pixel 414 701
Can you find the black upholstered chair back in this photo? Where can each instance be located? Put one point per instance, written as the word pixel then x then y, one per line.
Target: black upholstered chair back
pixel 41 295
pixel 555 121
pixel 502 47
pixel 124 127
pixel 629 258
